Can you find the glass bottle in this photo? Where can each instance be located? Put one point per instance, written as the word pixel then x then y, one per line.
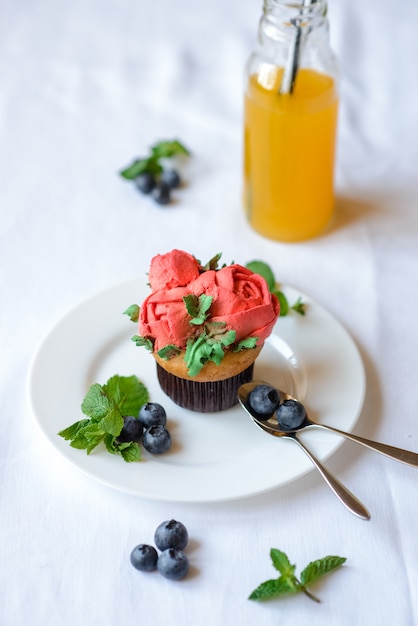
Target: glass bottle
pixel 290 122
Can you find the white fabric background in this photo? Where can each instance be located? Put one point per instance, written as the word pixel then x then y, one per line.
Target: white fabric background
pixel 85 87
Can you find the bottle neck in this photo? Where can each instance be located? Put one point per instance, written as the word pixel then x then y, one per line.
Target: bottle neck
pixel 281 17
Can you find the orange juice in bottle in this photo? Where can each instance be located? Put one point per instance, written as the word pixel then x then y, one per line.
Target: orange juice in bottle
pixel 289 134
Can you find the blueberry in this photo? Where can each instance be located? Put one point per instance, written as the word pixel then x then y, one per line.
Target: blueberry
pixel 145 182
pixel 171 179
pixel 161 194
pixel 131 431
pixel 144 557
pixel 173 564
pixel 264 400
pixel 290 414
pixel 171 534
pixel 152 414
pixel 156 440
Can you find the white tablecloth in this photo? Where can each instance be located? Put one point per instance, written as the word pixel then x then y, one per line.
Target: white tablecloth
pixel 84 88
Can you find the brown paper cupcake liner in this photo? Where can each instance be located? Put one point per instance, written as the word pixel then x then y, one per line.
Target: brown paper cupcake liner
pixel 204 397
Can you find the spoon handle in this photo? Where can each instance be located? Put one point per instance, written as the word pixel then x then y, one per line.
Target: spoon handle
pixel 343 494
pixel 404 456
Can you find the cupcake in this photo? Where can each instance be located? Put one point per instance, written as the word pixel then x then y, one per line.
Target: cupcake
pixel 204 326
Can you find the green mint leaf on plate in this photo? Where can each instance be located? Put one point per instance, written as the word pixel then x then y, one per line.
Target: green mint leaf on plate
pixel 72 431
pixel 319 568
pixel 299 307
pixel 143 342
pixel 169 149
pixel 288 583
pixel 284 304
pixel 259 267
pixel 128 393
pixel 198 307
pixel 262 268
pixel 96 403
pixel 168 352
pixel 132 312
pixel 106 406
pixel 130 452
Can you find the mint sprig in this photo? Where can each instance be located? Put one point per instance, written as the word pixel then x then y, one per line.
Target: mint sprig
pixel 287 583
pixel 105 407
pixel 151 164
pixel 262 268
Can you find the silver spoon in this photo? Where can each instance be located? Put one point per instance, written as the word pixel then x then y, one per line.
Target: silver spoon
pixel 343 494
pixel 404 456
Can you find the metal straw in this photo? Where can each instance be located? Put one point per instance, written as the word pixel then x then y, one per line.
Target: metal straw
pixel 290 71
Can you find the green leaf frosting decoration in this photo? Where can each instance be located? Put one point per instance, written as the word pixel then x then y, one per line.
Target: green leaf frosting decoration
pixel 208 346
pixel 198 307
pixel 143 342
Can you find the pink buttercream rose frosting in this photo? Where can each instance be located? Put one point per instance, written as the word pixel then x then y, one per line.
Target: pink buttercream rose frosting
pixel 240 299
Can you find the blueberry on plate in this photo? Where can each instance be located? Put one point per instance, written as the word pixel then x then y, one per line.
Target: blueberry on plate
pixel 170 178
pixel 152 414
pixel 171 534
pixel 161 194
pixel 173 564
pixel 145 182
pixel 156 440
pixel 144 557
pixel 264 400
pixel 290 414
pixel 131 431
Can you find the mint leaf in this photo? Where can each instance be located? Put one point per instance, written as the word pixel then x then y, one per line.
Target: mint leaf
pixel 149 165
pixel 72 431
pixel 284 304
pixel 319 568
pixel 88 437
pixel 96 404
pixel 272 588
pixel 169 149
pixel 281 562
pixel 130 453
pixel 128 393
pixel 299 307
pixel 112 422
pixel 259 267
pixel 132 312
pixel 143 342
pixel 168 352
pixel 198 307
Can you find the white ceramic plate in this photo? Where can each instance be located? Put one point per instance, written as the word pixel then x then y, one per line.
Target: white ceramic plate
pixel 214 456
